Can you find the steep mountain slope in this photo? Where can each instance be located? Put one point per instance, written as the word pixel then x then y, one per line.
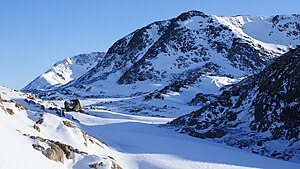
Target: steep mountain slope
pixel 182 53
pixel 35 135
pixel 65 71
pixel 260 114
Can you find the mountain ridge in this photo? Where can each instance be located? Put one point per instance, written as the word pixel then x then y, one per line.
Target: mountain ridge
pixel 162 51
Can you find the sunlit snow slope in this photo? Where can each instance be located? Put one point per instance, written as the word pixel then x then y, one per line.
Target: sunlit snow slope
pixel 65 71
pixel 33 133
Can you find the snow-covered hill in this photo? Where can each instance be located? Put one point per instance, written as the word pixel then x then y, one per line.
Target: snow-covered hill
pixel 35 135
pixel 65 71
pixel 260 114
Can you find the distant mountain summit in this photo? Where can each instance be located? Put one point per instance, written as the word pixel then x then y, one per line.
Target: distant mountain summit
pixel 65 71
pixel 260 114
pixel 193 40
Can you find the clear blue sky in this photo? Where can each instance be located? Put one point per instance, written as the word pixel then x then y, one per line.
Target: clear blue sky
pixel 34 34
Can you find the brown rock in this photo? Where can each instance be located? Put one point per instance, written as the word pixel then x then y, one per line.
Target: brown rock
pixel 40 139
pixel 67 149
pixel 9 111
pixel 84 137
pixel 69 124
pixel 69 155
pixel 1 107
pixel 115 166
pixel 54 153
pixel 20 106
pixel 37 128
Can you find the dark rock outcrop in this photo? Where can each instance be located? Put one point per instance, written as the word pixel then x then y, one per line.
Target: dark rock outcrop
pixel 37 128
pixel 38 147
pixel 73 105
pixel 96 165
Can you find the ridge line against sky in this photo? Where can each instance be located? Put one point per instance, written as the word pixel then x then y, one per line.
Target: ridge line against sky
pixel 35 34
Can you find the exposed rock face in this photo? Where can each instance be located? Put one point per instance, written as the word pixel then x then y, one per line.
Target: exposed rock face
pixel 115 166
pixel 56 147
pixel 20 106
pixel 9 111
pixel 73 105
pixel 99 165
pixel 59 150
pixel 67 149
pixel 96 165
pixel 260 114
pixel 54 153
pixel 40 121
pixel 37 128
pixel 69 124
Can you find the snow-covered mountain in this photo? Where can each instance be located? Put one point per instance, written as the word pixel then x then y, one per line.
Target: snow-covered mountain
pixel 260 114
pixel 185 52
pixel 65 71
pixel 169 68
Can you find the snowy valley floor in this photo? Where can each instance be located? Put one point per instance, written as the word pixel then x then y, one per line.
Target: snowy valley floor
pixel 140 142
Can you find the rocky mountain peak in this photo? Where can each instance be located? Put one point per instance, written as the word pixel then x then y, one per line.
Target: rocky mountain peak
pixel 188 15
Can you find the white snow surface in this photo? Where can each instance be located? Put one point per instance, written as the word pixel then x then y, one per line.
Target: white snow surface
pixel 135 142
pixel 65 71
pixel 17 150
pixel 140 142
